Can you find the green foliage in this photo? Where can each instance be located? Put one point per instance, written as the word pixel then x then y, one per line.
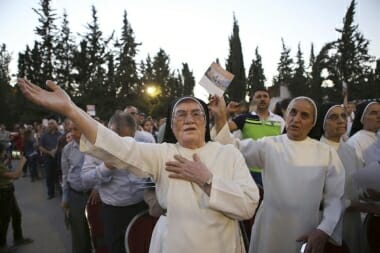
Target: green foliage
pixel 285 67
pixel 321 62
pixel 235 64
pixel 126 76
pixel 298 83
pixel 188 80
pixel 64 49
pixel 352 58
pixel 256 78
pixel 6 94
pixel 46 31
pixel 95 71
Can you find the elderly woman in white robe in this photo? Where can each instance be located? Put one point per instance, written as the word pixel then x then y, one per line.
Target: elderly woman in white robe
pixel 303 182
pixel 365 126
pixel 205 186
pixel 330 128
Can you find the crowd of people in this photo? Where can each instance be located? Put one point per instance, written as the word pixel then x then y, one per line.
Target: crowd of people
pixel 207 162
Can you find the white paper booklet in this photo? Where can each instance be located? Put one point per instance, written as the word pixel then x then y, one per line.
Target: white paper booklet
pixel 216 80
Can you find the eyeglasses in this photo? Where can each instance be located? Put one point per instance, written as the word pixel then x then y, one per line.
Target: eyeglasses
pixel 335 116
pixel 196 115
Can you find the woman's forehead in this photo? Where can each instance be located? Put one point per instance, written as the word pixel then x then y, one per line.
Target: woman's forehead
pixel 374 106
pixel 336 109
pixel 302 105
pixel 187 105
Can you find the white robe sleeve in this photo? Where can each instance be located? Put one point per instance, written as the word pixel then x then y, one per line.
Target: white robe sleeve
pixel 333 199
pixel 252 150
pixel 142 159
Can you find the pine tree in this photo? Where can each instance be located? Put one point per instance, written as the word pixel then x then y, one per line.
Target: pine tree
pixel 46 31
pixel 64 57
pixel 298 84
pixel 146 70
pixel 256 77
pixel 235 64
pixel 90 62
pixel 284 68
pixel 163 78
pixel 126 70
pixel 353 60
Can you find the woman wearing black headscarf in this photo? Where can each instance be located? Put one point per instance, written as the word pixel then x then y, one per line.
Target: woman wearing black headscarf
pixel 205 186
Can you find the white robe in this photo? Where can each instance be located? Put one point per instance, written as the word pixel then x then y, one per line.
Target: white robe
pixel 352 225
pixel 298 177
pixel 361 141
pixel 195 221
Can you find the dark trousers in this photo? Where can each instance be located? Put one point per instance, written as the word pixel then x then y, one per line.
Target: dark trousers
pixel 80 234
pixel 50 174
pixel 5 213
pixel 32 164
pixel 115 221
pixel 16 219
pixel 9 209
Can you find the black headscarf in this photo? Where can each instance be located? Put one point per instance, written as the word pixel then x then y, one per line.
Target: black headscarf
pixel 169 135
pixel 318 130
pixel 357 123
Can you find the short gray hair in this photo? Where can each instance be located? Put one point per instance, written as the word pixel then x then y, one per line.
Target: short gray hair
pixel 121 120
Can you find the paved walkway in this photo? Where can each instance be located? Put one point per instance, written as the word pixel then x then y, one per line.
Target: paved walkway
pixel 42 219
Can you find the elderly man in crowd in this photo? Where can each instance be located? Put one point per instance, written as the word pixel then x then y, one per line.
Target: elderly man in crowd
pixel 120 191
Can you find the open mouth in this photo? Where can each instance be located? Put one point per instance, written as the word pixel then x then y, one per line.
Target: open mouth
pixel 189 129
pixel 294 127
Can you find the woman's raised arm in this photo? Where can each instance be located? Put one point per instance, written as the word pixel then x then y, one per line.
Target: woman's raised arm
pixel 58 101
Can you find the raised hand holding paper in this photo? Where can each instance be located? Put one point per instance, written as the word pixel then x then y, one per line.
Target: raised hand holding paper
pixel 216 80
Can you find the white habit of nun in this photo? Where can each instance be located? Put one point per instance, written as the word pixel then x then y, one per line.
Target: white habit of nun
pixel 361 141
pixel 299 177
pixel 195 222
pixel 352 225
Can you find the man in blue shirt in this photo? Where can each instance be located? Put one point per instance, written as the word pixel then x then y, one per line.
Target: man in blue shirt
pixel 75 193
pixel 120 191
pixel 48 147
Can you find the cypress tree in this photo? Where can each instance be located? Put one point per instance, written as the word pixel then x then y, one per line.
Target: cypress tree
pixel 188 81
pixel 235 64
pixel 256 77
pixel 298 85
pixel 126 70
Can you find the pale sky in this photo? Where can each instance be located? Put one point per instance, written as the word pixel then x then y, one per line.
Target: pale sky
pixel 197 31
